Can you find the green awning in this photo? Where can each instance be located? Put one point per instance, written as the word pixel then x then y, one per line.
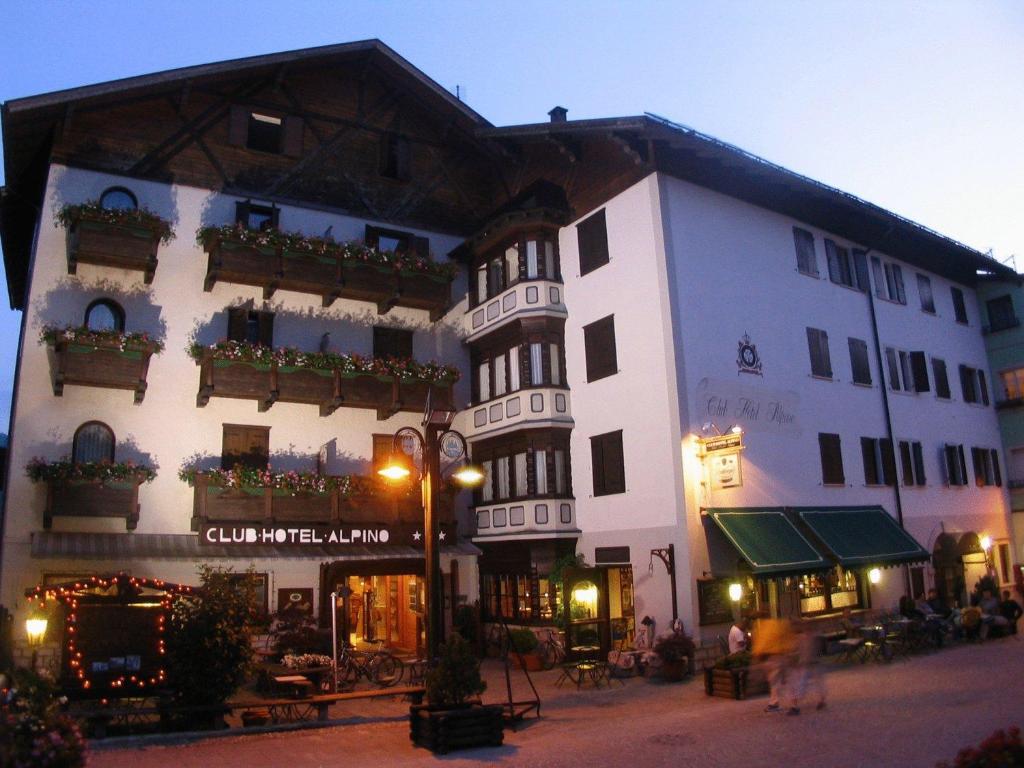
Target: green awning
pixel 768 541
pixel 863 536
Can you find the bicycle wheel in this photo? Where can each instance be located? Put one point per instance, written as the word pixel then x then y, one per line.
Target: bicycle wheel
pixel 348 674
pixel 387 670
pixel 549 654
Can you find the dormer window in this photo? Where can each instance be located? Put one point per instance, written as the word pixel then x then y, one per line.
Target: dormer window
pixel 265 133
pixel 118 199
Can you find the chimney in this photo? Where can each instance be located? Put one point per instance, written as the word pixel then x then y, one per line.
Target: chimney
pixel 558 114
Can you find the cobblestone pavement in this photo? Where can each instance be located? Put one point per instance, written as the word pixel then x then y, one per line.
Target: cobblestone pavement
pixel 909 713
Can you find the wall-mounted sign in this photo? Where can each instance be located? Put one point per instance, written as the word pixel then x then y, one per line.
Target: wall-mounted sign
pixel 295 602
pixel 727 442
pixel 304 535
pixel 754 408
pixel 725 469
pixel 747 359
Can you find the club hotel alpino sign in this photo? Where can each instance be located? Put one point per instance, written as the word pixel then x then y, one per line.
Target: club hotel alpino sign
pixel 313 535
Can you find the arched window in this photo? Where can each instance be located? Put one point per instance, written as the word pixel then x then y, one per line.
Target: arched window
pixel 94 441
pixel 118 199
pixel 104 315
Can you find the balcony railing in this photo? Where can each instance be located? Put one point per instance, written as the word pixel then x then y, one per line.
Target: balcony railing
pixel 92 365
pixel 525 518
pixel 93 498
pixel 515 410
pixel 327 275
pixel 524 298
pixel 268 383
pixel 113 245
pixel 214 504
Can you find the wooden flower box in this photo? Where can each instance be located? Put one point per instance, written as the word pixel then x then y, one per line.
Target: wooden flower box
pixel 112 245
pixel 97 366
pixel 734 683
pixel 325 275
pixel 93 498
pixel 443 730
pixel 328 390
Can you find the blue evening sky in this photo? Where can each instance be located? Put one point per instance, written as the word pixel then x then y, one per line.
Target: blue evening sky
pixel 915 106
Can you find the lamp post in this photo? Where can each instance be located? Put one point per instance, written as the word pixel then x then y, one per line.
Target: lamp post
pixel 436 441
pixel 35 630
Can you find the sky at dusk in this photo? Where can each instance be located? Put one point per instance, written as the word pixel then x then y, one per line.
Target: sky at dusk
pixel 917 107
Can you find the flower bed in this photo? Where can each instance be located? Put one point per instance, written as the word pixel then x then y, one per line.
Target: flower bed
pixel 141 218
pixel 348 364
pixel 355 251
pixel 40 470
pixel 79 334
pixel 306 660
pixel 246 478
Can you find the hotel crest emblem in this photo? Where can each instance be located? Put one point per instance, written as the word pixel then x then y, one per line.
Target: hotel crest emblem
pixel 747 359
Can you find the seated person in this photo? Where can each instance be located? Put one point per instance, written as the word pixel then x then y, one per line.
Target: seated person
pixel 1010 610
pixel 908 609
pixel 738 636
pixel 990 610
pixel 937 604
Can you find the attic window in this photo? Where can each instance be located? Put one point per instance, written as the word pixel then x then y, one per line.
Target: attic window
pixel 264 133
pixel 394 157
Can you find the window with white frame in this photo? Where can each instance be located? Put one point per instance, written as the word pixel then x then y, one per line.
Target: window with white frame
pixel 1013 383
pixel 908 371
pixel 955 464
pixel 888 280
pixel 924 290
pixel 973 385
pixel 879 461
pixel 912 462
pixel 986 467
pixel 806 261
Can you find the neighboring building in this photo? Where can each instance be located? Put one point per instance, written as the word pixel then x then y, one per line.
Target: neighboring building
pixel 625 292
pixel 1002 299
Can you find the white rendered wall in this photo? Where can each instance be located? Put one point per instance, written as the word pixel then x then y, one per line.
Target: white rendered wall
pixel 168 428
pixel 734 273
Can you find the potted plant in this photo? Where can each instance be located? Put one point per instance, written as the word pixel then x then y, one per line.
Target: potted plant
pixel 454 718
pixel 675 652
pixel 523 648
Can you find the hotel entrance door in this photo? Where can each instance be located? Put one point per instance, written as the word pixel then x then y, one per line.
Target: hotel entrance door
pixel 386 609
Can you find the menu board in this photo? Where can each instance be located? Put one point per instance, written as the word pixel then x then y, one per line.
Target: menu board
pixel 713 602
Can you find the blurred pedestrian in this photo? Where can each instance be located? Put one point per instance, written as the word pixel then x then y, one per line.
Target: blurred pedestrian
pixel 807 679
pixel 773 647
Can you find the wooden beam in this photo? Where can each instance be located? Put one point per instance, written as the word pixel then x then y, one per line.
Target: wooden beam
pixel 201 144
pixel 565 148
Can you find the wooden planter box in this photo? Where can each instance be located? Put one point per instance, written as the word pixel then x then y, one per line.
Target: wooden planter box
pixel 326 276
pixel 328 390
pixel 443 730
pixel 112 245
pixel 92 366
pixel 531 662
pixel 93 499
pixel 734 683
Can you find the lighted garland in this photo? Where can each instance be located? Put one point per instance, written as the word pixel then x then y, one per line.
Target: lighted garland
pixel 241 476
pixel 92 210
pixel 41 470
pixel 80 334
pixel 349 364
pixel 353 250
pixel 69 595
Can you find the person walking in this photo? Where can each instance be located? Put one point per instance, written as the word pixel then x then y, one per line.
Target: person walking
pixel 807 677
pixel 773 646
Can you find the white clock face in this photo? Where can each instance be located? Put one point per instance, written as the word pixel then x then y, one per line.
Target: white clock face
pixel 451 446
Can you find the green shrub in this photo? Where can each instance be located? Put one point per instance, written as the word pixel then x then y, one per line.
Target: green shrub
pixel 456 676
pixel 737 660
pixel 208 649
pixel 523 640
pixel 32 730
pixel 673 648
pixel 467 623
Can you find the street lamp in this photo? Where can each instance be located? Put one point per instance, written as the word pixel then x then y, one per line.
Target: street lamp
pixel 875 575
pixel 435 444
pixel 35 629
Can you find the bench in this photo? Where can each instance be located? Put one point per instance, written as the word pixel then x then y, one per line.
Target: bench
pixel 301 709
pixel 101 718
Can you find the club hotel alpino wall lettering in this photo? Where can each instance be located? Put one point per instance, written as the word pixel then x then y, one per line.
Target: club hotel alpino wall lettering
pixel 239 280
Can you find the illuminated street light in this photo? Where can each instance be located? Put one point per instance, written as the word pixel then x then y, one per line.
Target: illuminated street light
pixel 735 591
pixel 875 575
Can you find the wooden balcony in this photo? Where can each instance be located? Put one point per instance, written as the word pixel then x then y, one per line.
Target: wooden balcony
pixel 214 504
pixel 327 276
pixel 93 498
pixel 112 245
pixel 89 365
pixel 268 383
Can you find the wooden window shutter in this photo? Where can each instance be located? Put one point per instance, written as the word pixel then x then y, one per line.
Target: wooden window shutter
pixel 859 361
pixel 266 326
pixel 832 257
pixel 382 446
pixel 888 461
pixel 292 134
pixel 867 452
pixel 978 460
pixel 919 367
pixel 906 462
pixel 238 126
pixel 901 291
pixel 817 344
pixel 830 447
pixel 919 475
pixel 966 385
pixel 238 321
pixel 614 463
pixel 860 270
pixel 941 378
pixel 997 474
pixel 592 239
pixel 947 459
pixel 599 348
pixel 982 387
pixel 963 464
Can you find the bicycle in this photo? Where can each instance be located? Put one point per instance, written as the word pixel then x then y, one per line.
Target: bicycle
pixel 378 666
pixel 551 650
